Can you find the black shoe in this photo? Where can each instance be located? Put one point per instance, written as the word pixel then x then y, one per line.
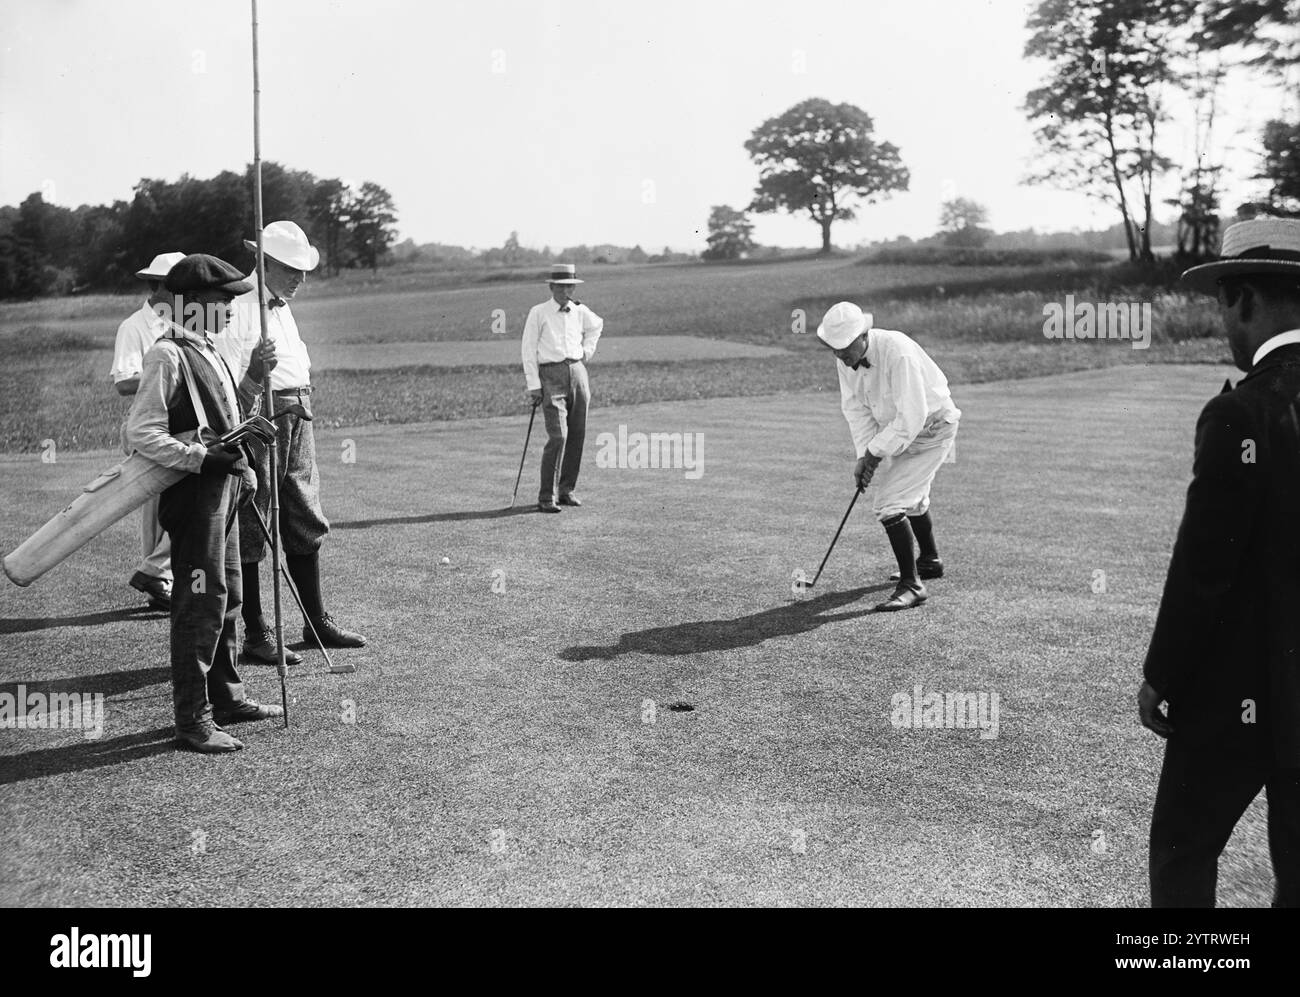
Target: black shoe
pixel 159 590
pixel 262 650
pixel 547 507
pixel 906 596
pixel 570 499
pixel 331 634
pixel 927 568
pixel 246 710
pixel 208 739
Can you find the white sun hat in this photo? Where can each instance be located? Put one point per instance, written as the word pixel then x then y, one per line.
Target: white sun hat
pixel 844 323
pixel 286 242
pixel 161 265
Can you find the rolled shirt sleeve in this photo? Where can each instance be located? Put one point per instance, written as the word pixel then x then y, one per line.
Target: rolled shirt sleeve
pixel 592 326
pixel 147 427
pixel 528 349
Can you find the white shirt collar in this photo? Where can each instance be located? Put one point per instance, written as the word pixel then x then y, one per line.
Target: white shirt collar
pixel 1281 339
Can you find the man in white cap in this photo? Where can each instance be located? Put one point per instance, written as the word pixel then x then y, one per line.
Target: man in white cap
pixel 303 526
pixel 135 336
pixel 1225 654
pixel 903 422
pixel 560 336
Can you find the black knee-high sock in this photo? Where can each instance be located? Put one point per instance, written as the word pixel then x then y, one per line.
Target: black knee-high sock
pixel 304 569
pixel 923 529
pixel 900 538
pixel 251 607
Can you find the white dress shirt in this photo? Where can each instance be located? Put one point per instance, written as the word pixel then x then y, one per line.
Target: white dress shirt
pixel 889 403
pixel 147 426
pixel 134 337
pixel 1269 345
pixel 551 336
pixel 238 340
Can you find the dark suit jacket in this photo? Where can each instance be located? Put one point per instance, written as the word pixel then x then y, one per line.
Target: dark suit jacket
pixel 1229 622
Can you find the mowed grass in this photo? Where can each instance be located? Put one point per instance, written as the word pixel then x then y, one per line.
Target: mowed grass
pixel 501 751
pixel 979 323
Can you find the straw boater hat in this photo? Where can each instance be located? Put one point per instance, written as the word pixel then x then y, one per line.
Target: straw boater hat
pixel 563 273
pixel 286 242
pixel 161 264
pixel 1259 246
pixel 844 323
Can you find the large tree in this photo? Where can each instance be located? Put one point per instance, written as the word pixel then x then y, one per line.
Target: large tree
pixel 820 158
pixel 373 218
pixel 1097 114
pixel 962 221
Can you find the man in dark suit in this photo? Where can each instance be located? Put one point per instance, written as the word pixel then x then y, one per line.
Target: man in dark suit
pixel 1225 655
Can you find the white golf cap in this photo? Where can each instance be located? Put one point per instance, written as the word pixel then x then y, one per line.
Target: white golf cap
pixel 841 325
pixel 286 242
pixel 160 267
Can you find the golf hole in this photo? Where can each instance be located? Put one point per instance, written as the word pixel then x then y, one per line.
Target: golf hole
pixel 680 707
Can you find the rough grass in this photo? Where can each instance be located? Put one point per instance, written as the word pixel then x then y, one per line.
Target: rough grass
pixel 979 323
pixel 501 750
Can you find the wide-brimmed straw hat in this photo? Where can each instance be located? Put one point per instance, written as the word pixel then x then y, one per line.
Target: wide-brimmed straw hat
pixel 1258 246
pixel 563 273
pixel 286 242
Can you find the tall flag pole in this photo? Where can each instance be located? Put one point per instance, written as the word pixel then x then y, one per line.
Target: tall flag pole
pixel 268 396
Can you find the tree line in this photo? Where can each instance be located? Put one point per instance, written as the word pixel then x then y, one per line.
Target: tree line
pixel 1112 69
pixel 49 249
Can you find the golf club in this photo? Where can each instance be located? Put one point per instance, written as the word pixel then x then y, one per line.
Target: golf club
pixel 852 501
pixel 519 477
pixel 293 589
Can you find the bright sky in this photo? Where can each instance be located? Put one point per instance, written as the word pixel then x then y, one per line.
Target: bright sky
pixel 573 122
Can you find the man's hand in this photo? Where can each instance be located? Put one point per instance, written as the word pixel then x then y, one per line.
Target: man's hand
pixel 1149 711
pixel 221 459
pixel 535 395
pixel 262 362
pixel 864 469
pixel 247 487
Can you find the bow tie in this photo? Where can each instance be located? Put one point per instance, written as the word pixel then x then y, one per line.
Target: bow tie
pixel 276 303
pixel 564 309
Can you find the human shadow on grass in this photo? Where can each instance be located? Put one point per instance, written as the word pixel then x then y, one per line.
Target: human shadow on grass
pixel 20 625
pixel 86 754
pixel 109 683
pixel 436 517
pixel 798 617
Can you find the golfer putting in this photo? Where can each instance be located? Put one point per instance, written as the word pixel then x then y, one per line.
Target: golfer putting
pixel 903 422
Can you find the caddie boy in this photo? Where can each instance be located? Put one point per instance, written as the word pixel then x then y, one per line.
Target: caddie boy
pixel 903 422
pixel 187 397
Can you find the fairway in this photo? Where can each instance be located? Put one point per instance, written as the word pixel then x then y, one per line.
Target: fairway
pixel 509 735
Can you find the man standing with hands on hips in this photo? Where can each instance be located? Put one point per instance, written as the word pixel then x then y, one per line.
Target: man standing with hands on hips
pixel 903 421
pixel 302 522
pixel 560 337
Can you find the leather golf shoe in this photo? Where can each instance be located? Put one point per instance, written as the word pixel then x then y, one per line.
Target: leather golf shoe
pixel 159 590
pixel 926 568
pixel 246 710
pixel 547 507
pixel 331 634
pixel 906 596
pixel 208 739
pixel 261 649
pixel 570 500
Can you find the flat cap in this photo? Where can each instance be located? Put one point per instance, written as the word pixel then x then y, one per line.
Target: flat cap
pixel 200 272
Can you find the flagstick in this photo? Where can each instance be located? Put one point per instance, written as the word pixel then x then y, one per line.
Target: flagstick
pixel 268 396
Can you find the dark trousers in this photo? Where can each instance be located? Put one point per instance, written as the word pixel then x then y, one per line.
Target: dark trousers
pixel 566 395
pixel 1200 798
pixel 302 521
pixel 205 601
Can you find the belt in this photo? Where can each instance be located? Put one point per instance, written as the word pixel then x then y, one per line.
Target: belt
pixel 306 390
pixel 567 360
